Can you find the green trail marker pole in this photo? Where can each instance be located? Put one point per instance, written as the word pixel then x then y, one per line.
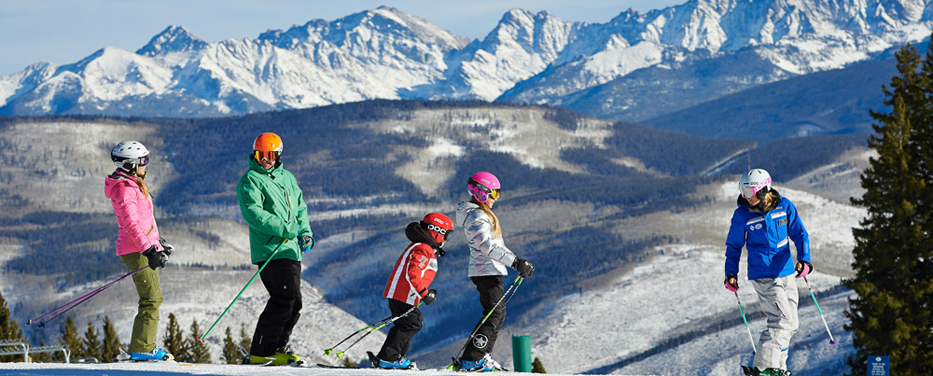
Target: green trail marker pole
pixel 521 353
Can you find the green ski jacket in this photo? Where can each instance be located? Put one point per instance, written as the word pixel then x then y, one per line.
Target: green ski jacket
pixel 274 208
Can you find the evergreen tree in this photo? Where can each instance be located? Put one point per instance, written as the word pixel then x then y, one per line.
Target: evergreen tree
pixel 70 339
pixel 245 340
pixel 199 354
pixel 231 354
pixel 174 341
pixel 891 313
pixel 9 329
pixel 111 346
pixel 40 357
pixel 92 345
pixel 537 366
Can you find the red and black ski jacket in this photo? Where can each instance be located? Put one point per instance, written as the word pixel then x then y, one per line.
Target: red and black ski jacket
pixel 415 269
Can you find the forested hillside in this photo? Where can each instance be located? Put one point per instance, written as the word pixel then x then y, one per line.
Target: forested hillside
pixel 367 169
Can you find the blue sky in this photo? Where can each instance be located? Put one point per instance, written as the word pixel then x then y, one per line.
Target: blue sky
pixel 64 31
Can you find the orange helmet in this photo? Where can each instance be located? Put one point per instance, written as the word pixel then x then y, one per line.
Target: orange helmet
pixel 267 146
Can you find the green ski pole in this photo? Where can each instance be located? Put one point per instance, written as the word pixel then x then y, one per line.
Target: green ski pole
pixel 372 328
pixel 201 340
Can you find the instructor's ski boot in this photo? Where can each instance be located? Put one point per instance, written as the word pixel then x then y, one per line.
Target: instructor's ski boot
pixel 402 363
pixel 155 355
pixel 486 364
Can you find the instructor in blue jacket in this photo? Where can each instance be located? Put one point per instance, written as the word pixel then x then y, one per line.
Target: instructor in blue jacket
pixel 765 223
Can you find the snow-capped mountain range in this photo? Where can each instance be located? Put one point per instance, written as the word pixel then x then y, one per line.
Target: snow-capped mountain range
pixel 527 57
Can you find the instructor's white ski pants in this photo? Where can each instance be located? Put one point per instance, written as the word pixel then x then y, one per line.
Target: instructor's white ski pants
pixel 778 299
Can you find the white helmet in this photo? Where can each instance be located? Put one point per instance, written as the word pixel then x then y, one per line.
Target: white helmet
pixel 129 154
pixel 756 180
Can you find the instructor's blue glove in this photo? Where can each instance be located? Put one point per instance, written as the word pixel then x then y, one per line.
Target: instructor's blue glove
pixel 306 243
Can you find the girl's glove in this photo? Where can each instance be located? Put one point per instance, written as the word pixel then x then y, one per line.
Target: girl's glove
pixel 524 267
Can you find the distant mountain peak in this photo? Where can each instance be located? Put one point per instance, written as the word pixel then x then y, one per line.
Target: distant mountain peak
pixel 172 39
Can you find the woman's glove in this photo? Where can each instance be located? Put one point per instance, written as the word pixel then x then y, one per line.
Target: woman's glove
pixel 731 283
pixel 156 259
pixel 803 268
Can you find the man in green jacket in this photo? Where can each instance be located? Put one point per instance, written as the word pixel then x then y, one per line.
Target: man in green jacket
pixel 274 208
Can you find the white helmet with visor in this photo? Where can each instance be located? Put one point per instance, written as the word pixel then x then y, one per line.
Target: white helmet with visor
pixel 756 180
pixel 129 154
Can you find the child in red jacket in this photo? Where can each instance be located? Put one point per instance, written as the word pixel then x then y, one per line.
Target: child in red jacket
pixel 408 286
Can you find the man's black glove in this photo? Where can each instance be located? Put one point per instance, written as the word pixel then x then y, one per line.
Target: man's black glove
pixel 524 267
pixel 156 259
pixel 429 297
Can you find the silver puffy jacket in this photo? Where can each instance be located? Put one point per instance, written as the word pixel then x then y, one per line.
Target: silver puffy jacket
pixel 488 254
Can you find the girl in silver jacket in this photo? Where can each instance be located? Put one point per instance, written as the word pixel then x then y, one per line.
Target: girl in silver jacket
pixel 488 260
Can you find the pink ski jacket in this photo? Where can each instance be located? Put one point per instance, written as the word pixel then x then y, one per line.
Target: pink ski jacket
pixel 138 228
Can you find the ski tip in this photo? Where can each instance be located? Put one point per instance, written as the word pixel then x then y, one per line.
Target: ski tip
pixel 29 322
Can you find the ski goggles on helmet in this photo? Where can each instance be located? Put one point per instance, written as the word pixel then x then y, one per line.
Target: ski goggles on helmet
pixel 749 191
pixel 270 156
pixel 143 161
pixel 431 227
pixel 482 192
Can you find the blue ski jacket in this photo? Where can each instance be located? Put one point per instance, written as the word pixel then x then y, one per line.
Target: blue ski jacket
pixel 766 236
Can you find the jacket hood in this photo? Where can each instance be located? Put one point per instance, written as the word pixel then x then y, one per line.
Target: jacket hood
pixel 416 234
pixel 116 178
pixel 743 203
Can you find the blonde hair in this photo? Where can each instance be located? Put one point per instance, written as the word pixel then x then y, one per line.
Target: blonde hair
pixel 766 203
pixel 495 220
pixel 769 201
pixel 141 181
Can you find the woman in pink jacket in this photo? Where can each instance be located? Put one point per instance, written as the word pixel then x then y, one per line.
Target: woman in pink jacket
pixel 138 244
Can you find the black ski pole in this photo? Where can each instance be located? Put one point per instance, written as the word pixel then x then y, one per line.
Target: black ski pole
pixel 372 328
pixel 80 300
pixel 507 296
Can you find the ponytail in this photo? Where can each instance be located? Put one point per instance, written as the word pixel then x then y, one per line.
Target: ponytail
pixel 495 220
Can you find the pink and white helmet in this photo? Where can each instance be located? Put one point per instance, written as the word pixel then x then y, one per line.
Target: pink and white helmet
pixel 753 182
pixel 482 186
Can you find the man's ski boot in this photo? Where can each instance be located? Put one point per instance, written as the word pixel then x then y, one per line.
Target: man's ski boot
pixel 283 356
pixel 402 363
pixel 754 371
pixel 486 364
pixel 157 354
